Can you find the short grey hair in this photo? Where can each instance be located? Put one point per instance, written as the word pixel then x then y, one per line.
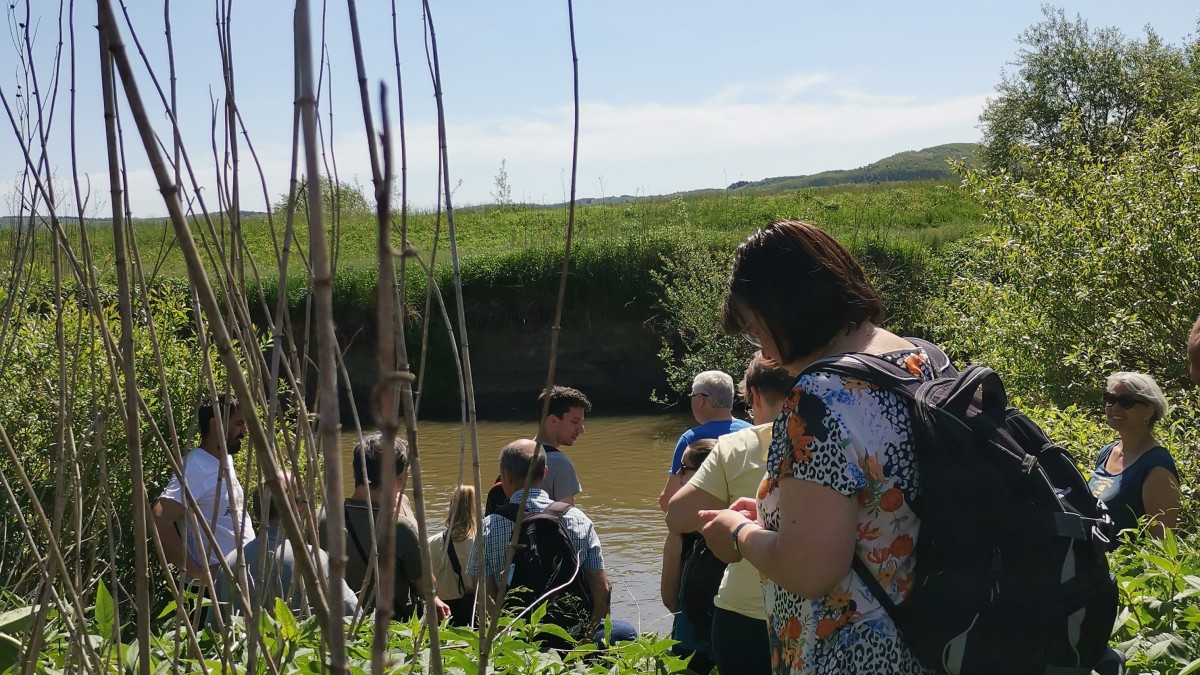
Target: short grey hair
pixel 717 386
pixel 516 457
pixel 1143 387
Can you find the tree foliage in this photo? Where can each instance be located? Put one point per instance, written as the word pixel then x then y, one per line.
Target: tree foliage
pixel 1066 70
pixel 1093 266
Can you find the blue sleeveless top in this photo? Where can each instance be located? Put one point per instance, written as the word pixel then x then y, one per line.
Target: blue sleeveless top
pixel 1122 492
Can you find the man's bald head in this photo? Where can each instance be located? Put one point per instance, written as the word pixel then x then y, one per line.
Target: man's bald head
pixel 515 460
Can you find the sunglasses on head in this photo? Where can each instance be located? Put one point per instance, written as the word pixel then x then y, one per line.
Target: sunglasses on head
pixel 1126 402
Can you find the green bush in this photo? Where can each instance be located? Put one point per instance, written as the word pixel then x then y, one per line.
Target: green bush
pixel 99 477
pixel 1093 266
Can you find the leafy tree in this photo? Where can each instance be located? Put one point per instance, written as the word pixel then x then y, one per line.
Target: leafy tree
pixel 502 195
pixel 1093 266
pixel 340 199
pixel 1067 70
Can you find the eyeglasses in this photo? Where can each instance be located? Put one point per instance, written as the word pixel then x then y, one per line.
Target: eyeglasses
pixel 694 395
pixel 683 468
pixel 1126 402
pixel 752 339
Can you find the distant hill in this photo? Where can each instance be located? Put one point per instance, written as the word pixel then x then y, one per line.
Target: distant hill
pixel 927 164
pixel 7 222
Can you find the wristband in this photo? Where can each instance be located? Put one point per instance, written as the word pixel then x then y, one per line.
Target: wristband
pixel 736 530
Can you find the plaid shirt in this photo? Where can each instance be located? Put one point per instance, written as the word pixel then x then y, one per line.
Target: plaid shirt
pixel 497 530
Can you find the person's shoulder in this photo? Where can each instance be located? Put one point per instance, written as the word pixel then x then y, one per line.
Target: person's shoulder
pixel 737 424
pixel 576 515
pixel 740 438
pixel 1160 456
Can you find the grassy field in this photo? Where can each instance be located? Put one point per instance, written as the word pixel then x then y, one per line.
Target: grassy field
pixel 926 213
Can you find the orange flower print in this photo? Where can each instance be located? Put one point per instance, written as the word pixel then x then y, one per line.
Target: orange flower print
pixel 765 488
pixel 801 441
pixel 791 400
pixel 857 386
pixel 879 555
pixel 904 584
pixel 839 599
pixel 790 631
pixel 913 364
pixel 871 467
pixel 886 574
pixel 902 545
pixel 891 500
pixel 864 497
pixel 867 533
pixel 826 627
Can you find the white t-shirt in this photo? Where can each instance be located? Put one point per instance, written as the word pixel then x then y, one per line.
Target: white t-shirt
pixel 203 472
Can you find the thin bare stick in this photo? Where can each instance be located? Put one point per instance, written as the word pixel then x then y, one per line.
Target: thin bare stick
pixel 203 288
pixel 133 433
pixel 322 282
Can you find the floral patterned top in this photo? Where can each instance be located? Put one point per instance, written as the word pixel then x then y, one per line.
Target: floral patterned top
pixel 851 437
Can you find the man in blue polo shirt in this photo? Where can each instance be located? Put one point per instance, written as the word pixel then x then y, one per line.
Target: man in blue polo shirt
pixel 712 406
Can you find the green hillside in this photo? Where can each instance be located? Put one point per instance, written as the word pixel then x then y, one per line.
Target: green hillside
pixel 927 164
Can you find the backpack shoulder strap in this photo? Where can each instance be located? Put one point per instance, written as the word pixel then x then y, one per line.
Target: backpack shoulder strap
pixel 558 509
pixel 873 585
pixel 354 535
pixel 455 565
pixel 509 511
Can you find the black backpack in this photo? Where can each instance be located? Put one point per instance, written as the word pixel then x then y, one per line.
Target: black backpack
pixel 1011 574
pixel 546 568
pixel 699 581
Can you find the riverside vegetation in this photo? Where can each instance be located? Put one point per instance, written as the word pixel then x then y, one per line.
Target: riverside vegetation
pixel 1082 263
pixel 953 261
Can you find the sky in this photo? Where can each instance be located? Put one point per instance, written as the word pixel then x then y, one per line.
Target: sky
pixel 674 95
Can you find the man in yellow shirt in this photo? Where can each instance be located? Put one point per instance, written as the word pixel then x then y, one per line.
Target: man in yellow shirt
pixel 734 469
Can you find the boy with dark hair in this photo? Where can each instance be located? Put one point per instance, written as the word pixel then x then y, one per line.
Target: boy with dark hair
pixel 563 424
pixel 361 509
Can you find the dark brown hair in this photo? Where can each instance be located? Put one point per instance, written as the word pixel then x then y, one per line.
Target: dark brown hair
pixel 695 454
pixel 768 379
pixel 802 284
pixel 562 399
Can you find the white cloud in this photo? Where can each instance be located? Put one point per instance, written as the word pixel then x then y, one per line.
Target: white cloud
pixel 801 124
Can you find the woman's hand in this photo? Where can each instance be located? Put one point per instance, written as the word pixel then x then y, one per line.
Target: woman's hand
pixel 718 531
pixel 747 506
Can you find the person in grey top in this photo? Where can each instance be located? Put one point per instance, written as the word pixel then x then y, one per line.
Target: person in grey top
pixel 564 424
pixel 270 562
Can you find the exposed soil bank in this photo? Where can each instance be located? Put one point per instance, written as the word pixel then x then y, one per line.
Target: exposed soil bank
pixel 614 362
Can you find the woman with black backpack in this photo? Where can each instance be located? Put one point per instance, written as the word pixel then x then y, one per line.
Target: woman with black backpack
pixel 841 469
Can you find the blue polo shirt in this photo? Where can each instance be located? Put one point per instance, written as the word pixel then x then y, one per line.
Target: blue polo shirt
pixel 713 429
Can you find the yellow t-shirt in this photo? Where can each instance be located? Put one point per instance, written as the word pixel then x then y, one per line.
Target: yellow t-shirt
pixel 734 469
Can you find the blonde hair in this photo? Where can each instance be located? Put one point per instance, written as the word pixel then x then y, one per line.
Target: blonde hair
pixel 460 517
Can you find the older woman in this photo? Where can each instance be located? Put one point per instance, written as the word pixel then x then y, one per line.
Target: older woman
pixel 1134 475
pixel 841 470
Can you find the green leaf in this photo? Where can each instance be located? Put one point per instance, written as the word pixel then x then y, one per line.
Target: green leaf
pixel 105 613
pixel 131 655
pixel 15 620
pixel 288 630
pixel 1193 667
pixel 10 650
pixel 555 630
pixel 539 613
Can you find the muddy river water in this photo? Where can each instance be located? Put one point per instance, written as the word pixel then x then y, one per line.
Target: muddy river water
pixel 622 462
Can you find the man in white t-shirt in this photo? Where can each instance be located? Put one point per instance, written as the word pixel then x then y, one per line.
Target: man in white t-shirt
pixel 211 484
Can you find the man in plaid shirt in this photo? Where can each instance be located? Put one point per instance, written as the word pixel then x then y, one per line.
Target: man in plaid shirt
pixel 515 460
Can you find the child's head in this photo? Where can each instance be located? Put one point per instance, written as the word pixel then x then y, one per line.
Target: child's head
pixel 694 456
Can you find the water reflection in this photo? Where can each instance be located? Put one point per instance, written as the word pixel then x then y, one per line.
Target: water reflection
pixel 622 463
